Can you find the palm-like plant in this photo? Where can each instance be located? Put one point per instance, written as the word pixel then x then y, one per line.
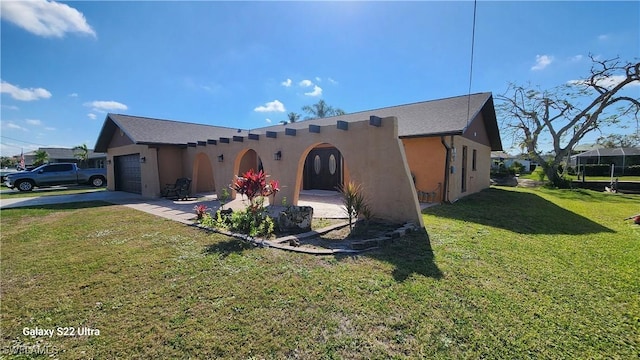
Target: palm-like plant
pixel 321 110
pixel 293 117
pixel 40 157
pixel 81 153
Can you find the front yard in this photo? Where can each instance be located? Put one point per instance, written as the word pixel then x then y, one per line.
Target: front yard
pixel 510 273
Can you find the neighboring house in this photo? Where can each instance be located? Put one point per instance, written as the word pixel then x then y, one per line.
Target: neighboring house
pixel 59 155
pixel 501 157
pixel 620 157
pixel 440 147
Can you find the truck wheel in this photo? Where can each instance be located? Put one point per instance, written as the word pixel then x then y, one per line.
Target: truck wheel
pixel 97 181
pixel 25 185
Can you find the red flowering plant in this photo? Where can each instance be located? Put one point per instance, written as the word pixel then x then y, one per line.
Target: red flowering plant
pixel 254 220
pixel 200 210
pixel 254 186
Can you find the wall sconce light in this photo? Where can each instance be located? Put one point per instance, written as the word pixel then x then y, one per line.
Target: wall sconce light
pixel 277 155
pixel 108 161
pixel 221 158
pixel 143 160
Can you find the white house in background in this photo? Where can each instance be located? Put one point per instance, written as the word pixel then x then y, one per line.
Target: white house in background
pixel 498 157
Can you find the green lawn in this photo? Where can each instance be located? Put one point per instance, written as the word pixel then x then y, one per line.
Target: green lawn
pixel 47 191
pixel 513 273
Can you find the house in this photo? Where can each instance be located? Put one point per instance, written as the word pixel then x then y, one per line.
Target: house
pixel 437 150
pixel 621 158
pixel 501 157
pixel 59 155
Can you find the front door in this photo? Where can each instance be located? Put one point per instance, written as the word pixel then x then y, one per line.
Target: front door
pixel 323 169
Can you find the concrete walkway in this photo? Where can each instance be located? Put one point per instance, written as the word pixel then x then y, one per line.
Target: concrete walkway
pixel 324 205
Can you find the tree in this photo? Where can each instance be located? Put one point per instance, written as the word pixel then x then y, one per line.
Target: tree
pixel 293 117
pixel 321 110
pixel 619 141
pixel 81 153
pixel 40 157
pixel 567 113
pixel 6 161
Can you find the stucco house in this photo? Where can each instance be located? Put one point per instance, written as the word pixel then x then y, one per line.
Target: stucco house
pixel 437 150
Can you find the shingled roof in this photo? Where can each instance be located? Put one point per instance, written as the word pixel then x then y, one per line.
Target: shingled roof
pixel 450 116
pixel 148 131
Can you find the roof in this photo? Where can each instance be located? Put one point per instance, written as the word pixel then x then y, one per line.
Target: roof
pixel 144 130
pixel 611 152
pixel 449 116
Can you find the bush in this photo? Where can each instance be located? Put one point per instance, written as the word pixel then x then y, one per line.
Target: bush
pixel 516 168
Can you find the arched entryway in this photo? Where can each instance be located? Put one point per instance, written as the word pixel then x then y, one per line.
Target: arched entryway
pixel 202 174
pixel 247 160
pixel 323 168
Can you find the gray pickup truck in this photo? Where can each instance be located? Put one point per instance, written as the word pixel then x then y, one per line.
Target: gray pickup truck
pixel 55 174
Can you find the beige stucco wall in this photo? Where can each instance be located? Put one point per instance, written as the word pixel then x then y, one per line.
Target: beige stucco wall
pixel 374 156
pixel 477 179
pixel 150 185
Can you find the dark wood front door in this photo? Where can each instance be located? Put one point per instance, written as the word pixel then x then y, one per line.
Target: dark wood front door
pixel 323 169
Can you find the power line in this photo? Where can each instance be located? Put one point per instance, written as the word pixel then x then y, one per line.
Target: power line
pixel 473 40
pixel 22 141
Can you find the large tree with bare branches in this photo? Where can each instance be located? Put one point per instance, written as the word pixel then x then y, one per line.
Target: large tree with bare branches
pixel 565 114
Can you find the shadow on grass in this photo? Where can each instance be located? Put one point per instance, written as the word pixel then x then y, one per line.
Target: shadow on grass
pixel 410 254
pixel 520 212
pixel 227 247
pixel 62 206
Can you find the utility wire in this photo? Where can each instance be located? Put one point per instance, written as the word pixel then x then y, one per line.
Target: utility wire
pixel 473 40
pixel 22 141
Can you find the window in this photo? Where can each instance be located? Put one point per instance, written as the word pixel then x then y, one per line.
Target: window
pixel 474 158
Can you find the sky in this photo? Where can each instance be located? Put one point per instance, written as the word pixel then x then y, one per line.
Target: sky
pixel 65 65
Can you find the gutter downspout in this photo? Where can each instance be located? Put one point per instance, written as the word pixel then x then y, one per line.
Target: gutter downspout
pixel 447 163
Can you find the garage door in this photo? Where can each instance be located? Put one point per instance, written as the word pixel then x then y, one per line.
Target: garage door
pixel 127 173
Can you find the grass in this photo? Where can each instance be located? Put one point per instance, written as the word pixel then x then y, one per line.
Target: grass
pixel 47 191
pixel 516 273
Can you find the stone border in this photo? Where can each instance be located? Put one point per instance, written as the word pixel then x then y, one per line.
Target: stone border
pixel 357 246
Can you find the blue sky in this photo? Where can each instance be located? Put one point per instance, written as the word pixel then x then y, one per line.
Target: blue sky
pixel 65 65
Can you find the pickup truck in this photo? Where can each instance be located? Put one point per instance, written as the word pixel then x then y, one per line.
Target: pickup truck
pixel 55 174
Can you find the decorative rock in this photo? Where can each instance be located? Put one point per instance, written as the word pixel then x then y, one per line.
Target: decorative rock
pixel 295 219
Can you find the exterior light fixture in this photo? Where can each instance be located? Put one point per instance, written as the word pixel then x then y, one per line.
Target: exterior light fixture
pixel 108 161
pixel 277 155
pixel 143 160
pixel 221 158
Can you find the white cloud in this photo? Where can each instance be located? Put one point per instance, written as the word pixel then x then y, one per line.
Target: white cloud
pixel 49 128
pixel 286 83
pixel 606 82
pixel 45 18
pixel 542 61
pixel 267 120
pixel 11 125
pixel 577 58
pixel 73 95
pixel 24 94
pixel 318 79
pixel 305 83
pixel 91 116
pixel 332 81
pixel 273 106
pixel 34 122
pixel 603 37
pixel 317 91
pixel 10 107
pixel 104 106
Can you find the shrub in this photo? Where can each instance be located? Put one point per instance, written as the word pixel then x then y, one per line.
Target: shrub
pixel 355 203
